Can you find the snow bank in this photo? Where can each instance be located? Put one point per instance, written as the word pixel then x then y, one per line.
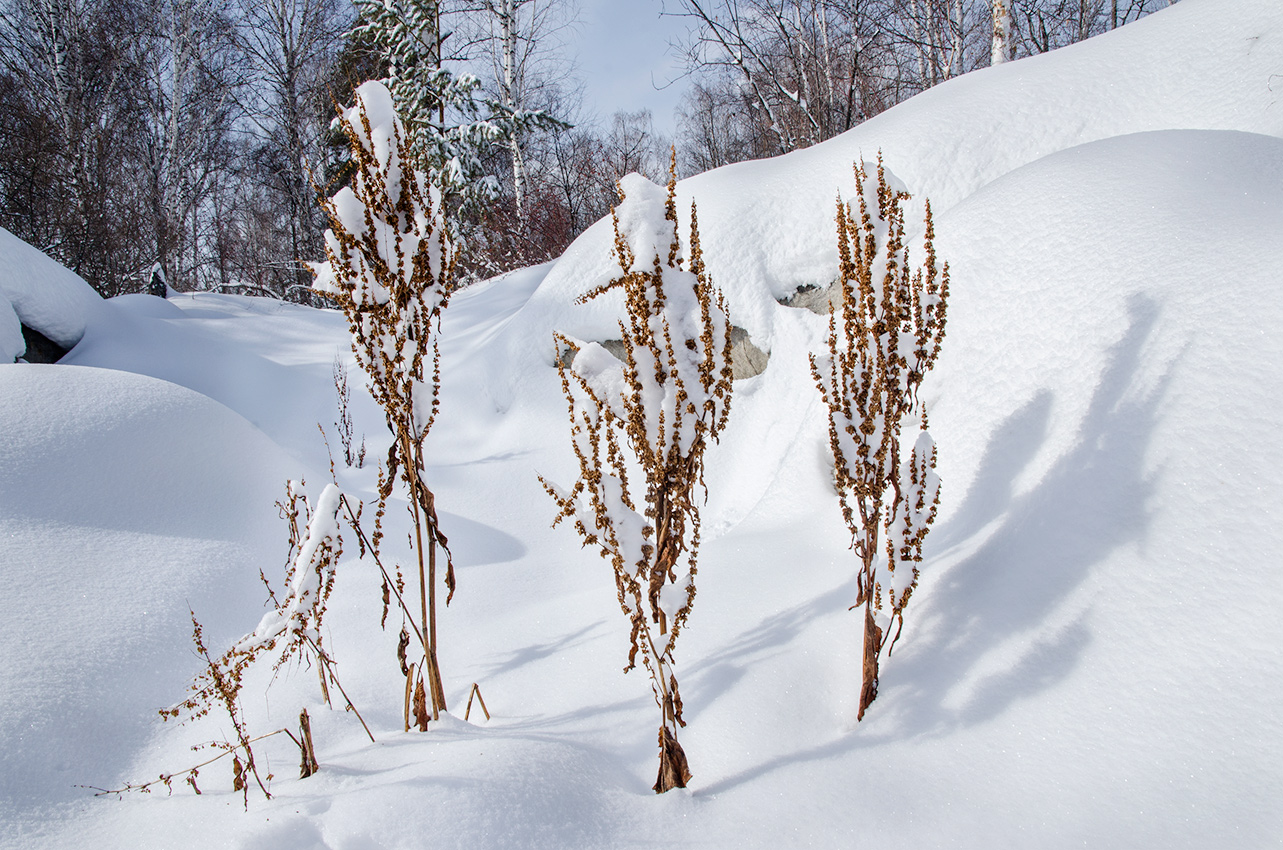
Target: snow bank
pixel 123 500
pixel 41 294
pixel 768 226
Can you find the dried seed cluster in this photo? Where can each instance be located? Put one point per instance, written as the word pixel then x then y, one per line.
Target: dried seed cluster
pixel 650 417
pixel 389 266
pixel 292 627
pixel 884 336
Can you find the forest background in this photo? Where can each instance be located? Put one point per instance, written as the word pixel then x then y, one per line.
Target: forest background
pixel 191 137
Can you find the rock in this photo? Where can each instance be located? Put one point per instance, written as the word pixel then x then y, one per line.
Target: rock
pixel 817 299
pixel 40 348
pixel 747 360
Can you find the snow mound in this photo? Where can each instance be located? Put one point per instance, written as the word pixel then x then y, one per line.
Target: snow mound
pixel 37 292
pixel 767 226
pixel 122 500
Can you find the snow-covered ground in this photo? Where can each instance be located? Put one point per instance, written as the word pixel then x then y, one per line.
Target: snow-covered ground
pixel 1093 657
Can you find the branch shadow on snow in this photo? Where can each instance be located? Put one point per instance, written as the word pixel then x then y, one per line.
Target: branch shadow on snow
pixel 1096 498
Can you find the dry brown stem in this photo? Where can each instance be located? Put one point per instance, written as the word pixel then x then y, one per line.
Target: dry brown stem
pixel 308 764
pixel 391 274
pixel 476 692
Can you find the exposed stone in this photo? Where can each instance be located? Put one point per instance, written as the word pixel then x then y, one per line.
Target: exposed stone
pixel 817 299
pixel 747 359
pixel 40 348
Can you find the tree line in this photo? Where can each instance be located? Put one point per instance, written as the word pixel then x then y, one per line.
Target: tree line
pixel 191 137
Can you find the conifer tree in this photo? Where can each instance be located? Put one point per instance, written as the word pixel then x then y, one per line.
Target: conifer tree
pixel 449 122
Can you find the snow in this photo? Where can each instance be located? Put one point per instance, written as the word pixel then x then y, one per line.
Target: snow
pixel 1091 656
pixel 38 292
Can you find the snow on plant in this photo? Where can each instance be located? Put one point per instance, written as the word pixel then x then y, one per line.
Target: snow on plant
pixel 389 267
pixel 292 628
pixel 884 336
pixel 649 419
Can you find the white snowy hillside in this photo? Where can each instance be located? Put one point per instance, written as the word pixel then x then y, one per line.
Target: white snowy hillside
pixel 1093 655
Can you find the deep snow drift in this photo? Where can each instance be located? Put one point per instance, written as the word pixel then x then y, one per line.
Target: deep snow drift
pixel 1091 659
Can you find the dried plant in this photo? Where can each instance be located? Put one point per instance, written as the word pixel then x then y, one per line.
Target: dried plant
pixel 884 336
pixel 351 456
pixel 291 630
pixel 649 420
pixel 389 267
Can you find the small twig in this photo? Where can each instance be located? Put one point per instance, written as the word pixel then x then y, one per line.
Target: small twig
pixel 476 691
pixel 168 778
pixel 328 665
pixel 379 563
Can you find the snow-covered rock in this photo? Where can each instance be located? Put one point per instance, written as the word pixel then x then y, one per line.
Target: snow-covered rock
pixel 37 292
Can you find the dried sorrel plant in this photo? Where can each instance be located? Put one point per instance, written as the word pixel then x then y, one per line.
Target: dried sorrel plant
pixel 884 336
pixel 650 419
pixel 291 630
pixel 389 267
pixel 351 456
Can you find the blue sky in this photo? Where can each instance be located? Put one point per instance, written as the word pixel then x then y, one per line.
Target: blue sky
pixel 623 54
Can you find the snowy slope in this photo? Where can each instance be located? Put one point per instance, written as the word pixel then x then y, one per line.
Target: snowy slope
pixel 1092 657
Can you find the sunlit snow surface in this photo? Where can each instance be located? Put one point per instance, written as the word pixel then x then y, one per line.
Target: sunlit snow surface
pixel 1093 656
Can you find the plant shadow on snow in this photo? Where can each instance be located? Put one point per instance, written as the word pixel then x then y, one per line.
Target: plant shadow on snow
pixel 1094 499
pixel 538 651
pixel 475 544
pixel 713 675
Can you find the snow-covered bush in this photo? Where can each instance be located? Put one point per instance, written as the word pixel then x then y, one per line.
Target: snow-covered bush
pixel 291 630
pixel 884 336
pixel 389 267
pixel 649 419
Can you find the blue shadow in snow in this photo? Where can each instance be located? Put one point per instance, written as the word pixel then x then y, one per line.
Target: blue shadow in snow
pixel 1096 498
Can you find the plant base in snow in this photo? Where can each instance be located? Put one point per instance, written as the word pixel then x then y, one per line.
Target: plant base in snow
pixel 869 673
pixel 673 770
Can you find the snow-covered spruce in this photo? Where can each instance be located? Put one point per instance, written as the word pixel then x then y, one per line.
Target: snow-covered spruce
pixel 389 267
pixel 649 419
pixel 451 125
pixel 884 336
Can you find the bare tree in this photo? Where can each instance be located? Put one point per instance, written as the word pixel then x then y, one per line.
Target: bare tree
pixel 521 38
pixel 74 63
pixel 291 46
pixel 187 112
pixel 802 71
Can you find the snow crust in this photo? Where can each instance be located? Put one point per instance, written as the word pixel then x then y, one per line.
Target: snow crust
pixel 1090 658
pixel 40 293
